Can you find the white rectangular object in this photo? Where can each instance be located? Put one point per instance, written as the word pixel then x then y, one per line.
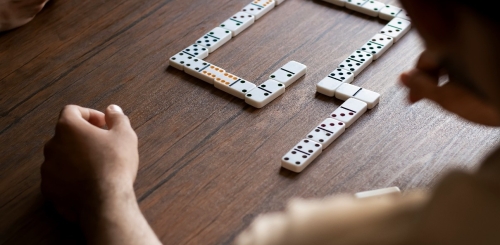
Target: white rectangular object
pixel 301 155
pixel 396 28
pixel 329 84
pixel 350 4
pixel 289 73
pixel 391 191
pixel 196 51
pixel 177 61
pixel 264 93
pixel 215 38
pixel 206 72
pixel 238 22
pixel 340 3
pixel 347 91
pixel 389 12
pixel 350 111
pixel 238 88
pixel 378 45
pixel 259 8
pixel 403 15
pixel 327 132
pixel 357 62
pixel 342 75
pixel 370 7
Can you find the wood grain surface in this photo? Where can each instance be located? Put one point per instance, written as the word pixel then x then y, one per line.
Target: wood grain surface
pixel 209 162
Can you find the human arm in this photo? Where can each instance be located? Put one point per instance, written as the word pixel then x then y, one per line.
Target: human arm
pixel 89 172
pixel 423 83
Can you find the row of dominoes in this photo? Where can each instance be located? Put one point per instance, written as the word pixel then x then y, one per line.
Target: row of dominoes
pixel 337 83
pixel 256 96
pixel 191 60
pixel 220 35
pixel 372 8
pixel 323 135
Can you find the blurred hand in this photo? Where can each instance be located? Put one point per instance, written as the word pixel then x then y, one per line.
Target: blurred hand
pixel 423 82
pixel 85 164
pixel 15 13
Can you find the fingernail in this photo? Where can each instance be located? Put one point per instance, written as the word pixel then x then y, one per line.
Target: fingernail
pixel 116 108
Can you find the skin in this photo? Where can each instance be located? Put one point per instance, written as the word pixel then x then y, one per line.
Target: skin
pixel 463 45
pixel 16 13
pixel 91 162
pixel 88 174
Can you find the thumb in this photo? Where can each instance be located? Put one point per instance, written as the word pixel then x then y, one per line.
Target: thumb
pixel 116 119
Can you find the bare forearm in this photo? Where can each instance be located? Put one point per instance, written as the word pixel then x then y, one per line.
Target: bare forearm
pixel 118 220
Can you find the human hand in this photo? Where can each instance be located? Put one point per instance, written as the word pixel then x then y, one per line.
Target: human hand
pixel 423 82
pixel 86 165
pixel 15 13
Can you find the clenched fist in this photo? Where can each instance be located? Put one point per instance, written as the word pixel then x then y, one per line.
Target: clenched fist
pixel 86 164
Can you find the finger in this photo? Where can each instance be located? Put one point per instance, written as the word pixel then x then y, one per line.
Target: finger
pixel 451 97
pixel 75 113
pixel 421 84
pixel 116 119
pixel 430 62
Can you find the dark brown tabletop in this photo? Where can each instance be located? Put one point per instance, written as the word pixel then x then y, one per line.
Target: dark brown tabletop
pixel 209 162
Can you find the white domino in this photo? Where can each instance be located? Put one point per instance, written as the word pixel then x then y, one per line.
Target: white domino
pixel 196 51
pixel 357 62
pixel 388 12
pixel 259 8
pixel 215 38
pixel 327 132
pixel 370 7
pixel 397 28
pixel 177 61
pixel 238 88
pixel 391 191
pixel 289 73
pixel 238 22
pixel 378 45
pixel 264 93
pixel 224 77
pixel 350 111
pixel 354 4
pixel 347 91
pixel 329 84
pixel 340 3
pixel 403 15
pixel 205 71
pixel 342 75
pixel 301 155
pixel 194 65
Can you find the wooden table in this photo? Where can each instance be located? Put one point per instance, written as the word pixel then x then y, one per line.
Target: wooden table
pixel 209 162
